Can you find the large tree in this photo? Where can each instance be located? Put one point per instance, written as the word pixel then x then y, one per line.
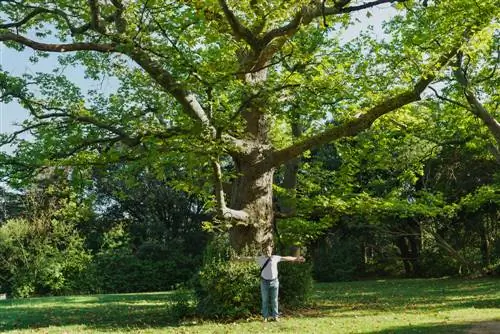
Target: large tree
pixel 219 82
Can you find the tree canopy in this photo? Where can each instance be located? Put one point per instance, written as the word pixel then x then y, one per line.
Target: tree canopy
pixel 217 86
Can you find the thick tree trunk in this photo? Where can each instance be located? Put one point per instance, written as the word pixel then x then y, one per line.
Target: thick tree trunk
pixel 253 190
pixel 254 195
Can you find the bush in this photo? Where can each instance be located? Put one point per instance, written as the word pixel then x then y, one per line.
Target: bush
pixel 153 267
pixel 225 288
pixel 40 261
pixel 434 263
pixel 336 259
pixel 296 284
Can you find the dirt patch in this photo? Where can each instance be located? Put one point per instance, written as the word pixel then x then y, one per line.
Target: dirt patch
pixel 489 327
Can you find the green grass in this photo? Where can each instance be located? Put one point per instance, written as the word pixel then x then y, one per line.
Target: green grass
pixel 383 306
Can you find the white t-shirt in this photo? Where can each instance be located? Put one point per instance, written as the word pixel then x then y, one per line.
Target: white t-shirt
pixel 270 272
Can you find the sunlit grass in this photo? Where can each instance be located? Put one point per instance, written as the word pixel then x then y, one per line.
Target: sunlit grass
pixel 382 306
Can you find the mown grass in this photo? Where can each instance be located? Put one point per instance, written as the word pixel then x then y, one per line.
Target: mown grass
pixel 382 306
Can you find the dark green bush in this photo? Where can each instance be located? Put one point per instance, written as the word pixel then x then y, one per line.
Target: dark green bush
pixel 119 271
pixel 226 288
pixel 434 263
pixel 336 259
pixel 296 284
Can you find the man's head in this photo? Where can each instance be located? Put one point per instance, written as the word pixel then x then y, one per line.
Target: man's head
pixel 267 250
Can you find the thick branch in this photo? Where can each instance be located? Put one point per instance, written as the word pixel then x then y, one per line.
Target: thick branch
pixel 475 105
pixel 274 39
pixel 167 81
pixel 94 15
pixel 222 210
pixel 307 14
pixel 356 125
pixel 161 76
pixel 49 47
pixel 348 129
pixel 239 30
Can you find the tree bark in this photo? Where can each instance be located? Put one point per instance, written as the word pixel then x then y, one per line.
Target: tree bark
pixel 253 194
pixel 485 244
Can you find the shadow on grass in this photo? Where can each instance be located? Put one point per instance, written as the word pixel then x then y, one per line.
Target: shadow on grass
pixel 441 329
pixel 106 312
pixel 416 294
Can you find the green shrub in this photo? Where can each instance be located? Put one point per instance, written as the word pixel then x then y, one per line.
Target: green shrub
pixel 296 284
pixel 41 261
pixel 225 288
pixel 434 263
pixel 336 259
pixel 153 267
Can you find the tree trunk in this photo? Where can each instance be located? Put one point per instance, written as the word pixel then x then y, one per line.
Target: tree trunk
pixel 485 244
pixel 253 190
pixel 253 194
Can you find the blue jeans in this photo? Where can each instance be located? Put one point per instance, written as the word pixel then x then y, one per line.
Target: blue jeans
pixel 269 292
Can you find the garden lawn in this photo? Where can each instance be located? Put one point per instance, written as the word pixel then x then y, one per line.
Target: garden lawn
pixel 381 306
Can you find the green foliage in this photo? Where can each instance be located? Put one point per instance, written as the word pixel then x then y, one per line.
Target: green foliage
pixel 337 259
pixel 298 231
pixel 36 262
pixel 153 267
pixel 226 288
pixel 436 263
pixel 296 284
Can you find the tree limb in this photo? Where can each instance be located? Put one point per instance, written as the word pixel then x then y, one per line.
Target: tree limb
pixel 166 80
pixel 444 98
pixel 274 39
pixel 239 30
pixel 476 107
pixel 356 125
pixel 308 13
pixel 161 76
pixel 94 16
pixel 222 210
pixel 50 47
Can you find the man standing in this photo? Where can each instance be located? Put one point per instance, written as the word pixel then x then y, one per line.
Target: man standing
pixel 269 282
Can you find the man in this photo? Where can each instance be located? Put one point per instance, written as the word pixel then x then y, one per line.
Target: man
pixel 269 283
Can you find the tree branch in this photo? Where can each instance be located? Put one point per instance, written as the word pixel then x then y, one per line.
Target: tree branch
pixel 161 76
pixel 40 10
pixel 308 13
pixel 94 16
pixel 239 30
pixel 166 80
pixel 476 107
pixel 222 210
pixel 444 98
pixel 356 125
pixel 49 47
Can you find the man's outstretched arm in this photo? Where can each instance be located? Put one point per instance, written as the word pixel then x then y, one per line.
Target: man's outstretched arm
pixel 293 258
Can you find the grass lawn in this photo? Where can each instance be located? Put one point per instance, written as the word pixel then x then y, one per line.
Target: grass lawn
pixel 382 306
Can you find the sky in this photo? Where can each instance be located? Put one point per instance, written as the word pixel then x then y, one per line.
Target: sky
pixel 17 63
